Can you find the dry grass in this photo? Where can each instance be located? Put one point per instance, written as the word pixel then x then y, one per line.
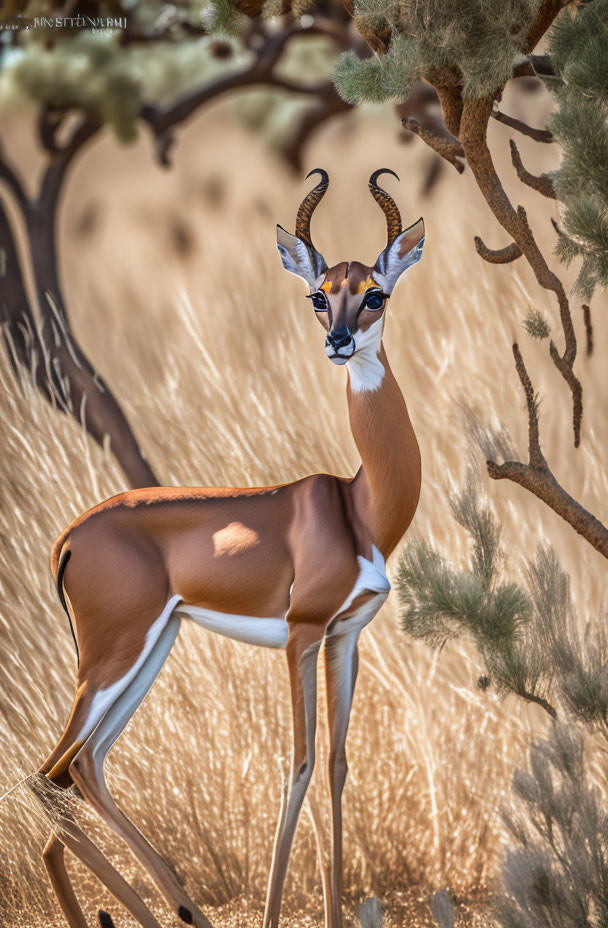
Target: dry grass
pixel 176 292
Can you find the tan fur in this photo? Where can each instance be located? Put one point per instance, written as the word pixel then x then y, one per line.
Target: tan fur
pixel 291 550
pixel 386 490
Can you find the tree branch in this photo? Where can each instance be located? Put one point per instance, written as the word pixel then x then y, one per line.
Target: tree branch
pixel 545 15
pixel 47 349
pixel 539 701
pixel 8 175
pixel 267 56
pixel 539 480
pixel 41 212
pixel 534 66
pixel 18 322
pixel 497 256
pixel 539 135
pixel 450 97
pixel 476 114
pixel 49 123
pixel 62 157
pixel 535 455
pixel 588 327
pixel 329 104
pixel 542 183
pixel 545 487
pixel 450 150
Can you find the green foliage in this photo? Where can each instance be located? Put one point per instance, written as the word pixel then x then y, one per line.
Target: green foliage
pixel 221 17
pixel 85 73
pixel 94 74
pixel 578 49
pixel 442 602
pixel 527 635
pixel 374 79
pixel 476 40
pixel 536 325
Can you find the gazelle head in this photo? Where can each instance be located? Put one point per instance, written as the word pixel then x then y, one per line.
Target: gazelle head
pixel 349 298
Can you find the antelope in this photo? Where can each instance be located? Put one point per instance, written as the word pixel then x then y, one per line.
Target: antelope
pixel 290 566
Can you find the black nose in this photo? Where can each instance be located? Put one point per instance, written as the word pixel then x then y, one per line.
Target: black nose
pixel 338 338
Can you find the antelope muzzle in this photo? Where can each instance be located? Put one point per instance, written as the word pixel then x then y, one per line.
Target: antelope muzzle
pixel 339 345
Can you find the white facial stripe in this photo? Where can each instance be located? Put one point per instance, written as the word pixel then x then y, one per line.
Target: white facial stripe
pixel 365 370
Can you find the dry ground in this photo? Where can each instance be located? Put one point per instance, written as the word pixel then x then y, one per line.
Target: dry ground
pixel 177 293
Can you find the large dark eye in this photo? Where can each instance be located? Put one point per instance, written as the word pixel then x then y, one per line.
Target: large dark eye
pixel 375 300
pixel 319 301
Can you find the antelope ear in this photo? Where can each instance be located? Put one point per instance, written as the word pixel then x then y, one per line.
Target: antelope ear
pixel 300 258
pixel 401 254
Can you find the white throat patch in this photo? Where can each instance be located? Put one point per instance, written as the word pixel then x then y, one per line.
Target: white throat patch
pixel 365 369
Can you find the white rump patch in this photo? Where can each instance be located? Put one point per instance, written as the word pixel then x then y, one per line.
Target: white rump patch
pixel 269 633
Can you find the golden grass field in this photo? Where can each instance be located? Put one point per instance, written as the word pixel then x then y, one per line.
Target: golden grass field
pixel 176 292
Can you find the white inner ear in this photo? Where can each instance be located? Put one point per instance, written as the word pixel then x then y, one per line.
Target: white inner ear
pixel 300 259
pixel 393 261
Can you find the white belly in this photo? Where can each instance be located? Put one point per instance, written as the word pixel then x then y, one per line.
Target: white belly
pixel 269 633
pixel 273 632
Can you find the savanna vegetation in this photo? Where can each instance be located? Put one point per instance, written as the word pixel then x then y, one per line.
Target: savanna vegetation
pixel 148 293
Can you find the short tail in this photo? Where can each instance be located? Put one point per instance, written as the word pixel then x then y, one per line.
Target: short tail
pixel 63 563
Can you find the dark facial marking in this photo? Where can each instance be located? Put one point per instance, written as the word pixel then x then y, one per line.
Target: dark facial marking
pixel 357 275
pixel 334 277
pixel 319 301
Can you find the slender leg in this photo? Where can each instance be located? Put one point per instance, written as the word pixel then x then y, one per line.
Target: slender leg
pixel 341 665
pixel 302 653
pixel 76 841
pixel 71 836
pixel 53 856
pixel 87 772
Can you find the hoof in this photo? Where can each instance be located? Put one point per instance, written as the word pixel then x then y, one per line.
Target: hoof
pixel 105 919
pixel 185 915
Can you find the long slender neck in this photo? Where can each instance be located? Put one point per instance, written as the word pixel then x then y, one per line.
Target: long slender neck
pixel 386 488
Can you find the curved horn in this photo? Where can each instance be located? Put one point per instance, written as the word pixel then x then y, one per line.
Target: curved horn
pixel 308 205
pixel 387 204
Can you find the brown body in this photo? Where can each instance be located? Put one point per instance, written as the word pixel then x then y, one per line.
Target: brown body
pixel 309 554
pixel 237 550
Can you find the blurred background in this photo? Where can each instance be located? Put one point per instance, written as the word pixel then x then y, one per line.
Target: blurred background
pixel 174 292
